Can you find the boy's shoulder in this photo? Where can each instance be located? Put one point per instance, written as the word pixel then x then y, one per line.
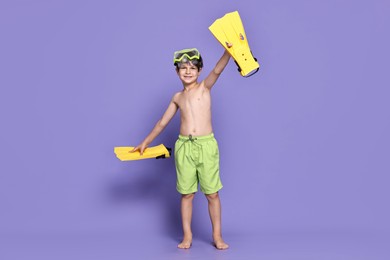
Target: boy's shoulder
pixel 176 96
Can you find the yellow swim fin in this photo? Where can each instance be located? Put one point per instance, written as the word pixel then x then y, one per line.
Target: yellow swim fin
pixel 160 151
pixel 229 29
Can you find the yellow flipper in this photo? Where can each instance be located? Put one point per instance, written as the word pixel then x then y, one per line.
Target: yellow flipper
pixel 123 153
pixel 229 29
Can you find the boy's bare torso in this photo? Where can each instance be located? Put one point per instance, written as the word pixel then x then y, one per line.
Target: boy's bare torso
pixel 195 110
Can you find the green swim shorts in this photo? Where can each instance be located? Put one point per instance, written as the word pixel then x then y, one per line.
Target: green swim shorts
pixel 197 161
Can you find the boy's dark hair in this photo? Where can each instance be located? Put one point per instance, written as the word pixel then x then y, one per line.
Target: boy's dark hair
pixel 196 62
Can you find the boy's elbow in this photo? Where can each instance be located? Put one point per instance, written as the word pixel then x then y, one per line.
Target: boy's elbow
pixel 217 71
pixel 161 124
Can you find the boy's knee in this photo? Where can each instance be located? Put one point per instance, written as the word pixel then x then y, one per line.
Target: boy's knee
pixel 188 196
pixel 212 196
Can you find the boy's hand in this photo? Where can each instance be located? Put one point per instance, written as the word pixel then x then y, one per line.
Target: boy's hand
pixel 228 44
pixel 141 148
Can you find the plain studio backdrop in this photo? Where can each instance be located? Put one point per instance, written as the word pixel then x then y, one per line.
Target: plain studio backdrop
pixel 304 143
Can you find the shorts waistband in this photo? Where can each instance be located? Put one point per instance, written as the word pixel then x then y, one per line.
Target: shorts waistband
pixel 196 138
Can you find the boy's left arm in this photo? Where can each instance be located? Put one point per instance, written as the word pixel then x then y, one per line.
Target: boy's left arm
pixel 216 72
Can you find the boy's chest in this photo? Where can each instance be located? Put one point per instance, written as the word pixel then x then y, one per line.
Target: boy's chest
pixel 194 98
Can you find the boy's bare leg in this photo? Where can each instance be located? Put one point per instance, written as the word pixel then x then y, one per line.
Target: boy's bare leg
pixel 186 216
pixel 215 216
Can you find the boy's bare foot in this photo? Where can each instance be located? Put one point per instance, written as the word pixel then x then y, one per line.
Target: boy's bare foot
pixel 220 244
pixel 186 243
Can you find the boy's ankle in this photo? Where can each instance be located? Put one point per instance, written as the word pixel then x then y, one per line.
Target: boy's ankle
pixel 216 236
pixel 187 234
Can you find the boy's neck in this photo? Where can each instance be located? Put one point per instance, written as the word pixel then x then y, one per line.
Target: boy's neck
pixel 190 86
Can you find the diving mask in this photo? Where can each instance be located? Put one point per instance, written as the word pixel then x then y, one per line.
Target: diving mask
pixel 186 55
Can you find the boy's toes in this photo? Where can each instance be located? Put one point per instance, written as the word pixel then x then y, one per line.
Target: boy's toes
pixel 220 244
pixel 184 245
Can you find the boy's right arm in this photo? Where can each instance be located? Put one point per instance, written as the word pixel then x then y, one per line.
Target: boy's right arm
pixel 219 67
pixel 158 128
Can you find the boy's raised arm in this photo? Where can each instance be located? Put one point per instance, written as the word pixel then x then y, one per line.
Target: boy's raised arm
pixel 219 67
pixel 158 128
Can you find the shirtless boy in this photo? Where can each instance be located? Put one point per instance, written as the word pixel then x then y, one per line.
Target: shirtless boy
pixel 196 150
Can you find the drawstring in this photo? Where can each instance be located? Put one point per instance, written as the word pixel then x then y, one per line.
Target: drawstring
pixel 193 141
pixel 190 138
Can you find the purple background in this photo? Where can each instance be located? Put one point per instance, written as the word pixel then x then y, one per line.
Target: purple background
pixel 304 143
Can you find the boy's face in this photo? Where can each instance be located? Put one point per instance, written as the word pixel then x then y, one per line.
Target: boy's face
pixel 188 73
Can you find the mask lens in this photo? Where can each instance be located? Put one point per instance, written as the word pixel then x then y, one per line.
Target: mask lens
pixel 187 54
pixel 192 54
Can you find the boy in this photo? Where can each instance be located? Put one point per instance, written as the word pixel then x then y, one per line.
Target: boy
pixel 196 150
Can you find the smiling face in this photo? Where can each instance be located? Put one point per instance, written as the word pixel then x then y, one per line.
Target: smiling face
pixel 188 73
